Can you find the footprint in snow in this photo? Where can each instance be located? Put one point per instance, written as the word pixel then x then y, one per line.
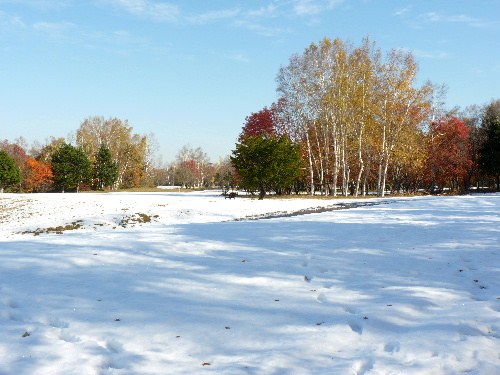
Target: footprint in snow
pixel 54 322
pixel 495 307
pixel 350 309
pixel 356 327
pixel 362 367
pixel 321 298
pixel 113 346
pixel 10 303
pixel 65 336
pixel 11 315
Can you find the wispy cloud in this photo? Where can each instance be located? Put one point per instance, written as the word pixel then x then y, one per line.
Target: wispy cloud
pixel 455 18
pixel 119 42
pixel 238 56
pixel 402 11
pixel 267 11
pixel 433 55
pixel 261 29
pixel 10 20
pixel 314 7
pixel 213 16
pixel 41 4
pixel 306 8
pixel 54 28
pixel 156 10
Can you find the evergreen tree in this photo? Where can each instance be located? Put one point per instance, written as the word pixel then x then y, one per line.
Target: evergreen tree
pixel 71 168
pixel 9 172
pixel 105 169
pixel 267 163
pixel 489 159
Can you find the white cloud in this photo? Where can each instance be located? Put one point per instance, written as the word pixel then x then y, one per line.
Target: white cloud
pixel 261 29
pixel 267 11
pixel 433 55
pixel 10 20
pixel 240 57
pixel 306 8
pixel 159 11
pixel 53 28
pixel 42 4
pixel 214 16
pixel 313 7
pixel 402 11
pixel 455 18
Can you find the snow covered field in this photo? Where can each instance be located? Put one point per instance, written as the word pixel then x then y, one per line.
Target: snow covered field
pixel 169 283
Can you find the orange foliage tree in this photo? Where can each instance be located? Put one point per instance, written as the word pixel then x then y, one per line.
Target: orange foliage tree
pixel 38 176
pixel 449 158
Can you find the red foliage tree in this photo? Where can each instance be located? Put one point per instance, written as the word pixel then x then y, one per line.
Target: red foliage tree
pixel 449 158
pixel 258 123
pixel 37 176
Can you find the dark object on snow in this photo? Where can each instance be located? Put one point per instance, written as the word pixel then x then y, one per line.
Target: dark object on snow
pixel 231 195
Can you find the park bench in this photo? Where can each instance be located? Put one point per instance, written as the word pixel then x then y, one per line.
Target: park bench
pixel 231 195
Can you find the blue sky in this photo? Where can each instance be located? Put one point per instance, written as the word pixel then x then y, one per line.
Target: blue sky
pixel 191 71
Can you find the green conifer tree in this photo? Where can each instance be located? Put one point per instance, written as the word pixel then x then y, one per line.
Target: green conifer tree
pixel 266 163
pixel 105 169
pixel 71 168
pixel 9 172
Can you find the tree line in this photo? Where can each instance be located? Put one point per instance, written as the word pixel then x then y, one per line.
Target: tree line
pixel 106 154
pixel 349 120
pixel 361 124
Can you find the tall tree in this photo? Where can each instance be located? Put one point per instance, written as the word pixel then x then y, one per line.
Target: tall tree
pixel 349 107
pixel 449 158
pixel 9 172
pixel 490 150
pixel 105 169
pixel 258 123
pixel 267 163
pixel 400 105
pixel 38 176
pixel 44 153
pixel 193 168
pixel 71 168
pixel 131 152
pixel 225 174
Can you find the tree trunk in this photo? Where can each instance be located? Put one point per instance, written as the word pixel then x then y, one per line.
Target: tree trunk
pixel 311 170
pixel 262 192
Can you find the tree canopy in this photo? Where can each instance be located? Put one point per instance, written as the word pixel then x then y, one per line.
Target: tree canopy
pixel 9 172
pixel 71 168
pixel 490 150
pixel 266 163
pixel 105 169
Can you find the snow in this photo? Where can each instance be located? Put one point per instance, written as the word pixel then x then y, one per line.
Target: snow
pixel 187 283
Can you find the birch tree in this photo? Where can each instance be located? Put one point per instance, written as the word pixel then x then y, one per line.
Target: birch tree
pixel 132 153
